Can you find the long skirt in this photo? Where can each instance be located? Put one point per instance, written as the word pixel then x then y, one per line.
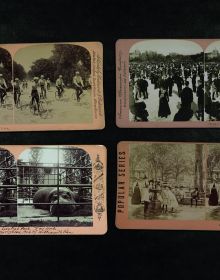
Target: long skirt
pixel 164 108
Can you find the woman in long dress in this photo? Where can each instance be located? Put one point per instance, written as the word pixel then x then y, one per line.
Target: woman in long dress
pixel 164 108
pixel 136 196
pixel 172 201
pixel 213 198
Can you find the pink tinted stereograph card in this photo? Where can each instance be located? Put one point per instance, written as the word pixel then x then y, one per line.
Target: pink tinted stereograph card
pixel 51 86
pixel 53 190
pixel 168 186
pixel 168 83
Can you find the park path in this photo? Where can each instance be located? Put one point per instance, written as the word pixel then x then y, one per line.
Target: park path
pixel 65 110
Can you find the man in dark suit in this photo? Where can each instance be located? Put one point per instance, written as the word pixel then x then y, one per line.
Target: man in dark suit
pixel 170 84
pixel 194 81
pixel 200 95
pixel 179 83
pixel 143 85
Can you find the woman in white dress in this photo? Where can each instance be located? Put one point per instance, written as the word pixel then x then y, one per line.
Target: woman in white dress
pixel 172 201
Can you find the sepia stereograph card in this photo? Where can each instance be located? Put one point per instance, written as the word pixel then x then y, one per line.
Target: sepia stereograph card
pixel 51 86
pixel 168 186
pixel 59 190
pixel 168 83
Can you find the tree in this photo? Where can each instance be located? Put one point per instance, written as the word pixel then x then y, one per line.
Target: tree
pixel 69 59
pixel 8 174
pixel 213 159
pixel 162 161
pixel 44 67
pixel 6 65
pixel 199 168
pixel 77 158
pixel 36 173
pixel 19 71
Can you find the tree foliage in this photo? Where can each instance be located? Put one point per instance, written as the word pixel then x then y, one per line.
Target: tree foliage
pixel 151 56
pixel 78 158
pixel 65 60
pixel 6 65
pixel 213 160
pixel 19 71
pixel 42 66
pixel 164 161
pixel 35 173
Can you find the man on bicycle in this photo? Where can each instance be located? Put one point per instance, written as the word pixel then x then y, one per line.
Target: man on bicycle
pixel 34 92
pixel 42 83
pixel 3 87
pixel 16 90
pixel 78 85
pixel 60 85
pixel 48 83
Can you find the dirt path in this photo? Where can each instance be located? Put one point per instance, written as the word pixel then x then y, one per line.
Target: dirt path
pixel 65 110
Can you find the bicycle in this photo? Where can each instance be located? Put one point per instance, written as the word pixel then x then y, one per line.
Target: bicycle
pixel 6 102
pixel 33 107
pixel 43 110
pixel 43 93
pixel 78 93
pixel 59 94
pixel 18 103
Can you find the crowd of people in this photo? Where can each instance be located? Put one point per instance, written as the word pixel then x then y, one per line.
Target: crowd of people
pixel 162 79
pixel 169 198
pixel 212 91
pixel 39 86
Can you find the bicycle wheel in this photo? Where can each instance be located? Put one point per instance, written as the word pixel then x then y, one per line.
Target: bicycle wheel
pixel 18 103
pixel 57 96
pixel 8 103
pixel 74 95
pixel 43 109
pixel 33 107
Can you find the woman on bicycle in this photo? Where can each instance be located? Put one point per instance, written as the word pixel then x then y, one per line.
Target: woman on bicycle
pixel 34 93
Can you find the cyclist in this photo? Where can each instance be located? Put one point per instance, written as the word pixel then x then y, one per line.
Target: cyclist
pixel 26 84
pixel 16 90
pixel 42 83
pixel 23 84
pixel 34 92
pixel 3 88
pixel 78 85
pixel 48 84
pixel 60 85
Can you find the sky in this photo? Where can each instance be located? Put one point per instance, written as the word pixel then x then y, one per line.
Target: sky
pixel 213 46
pixel 165 47
pixel 26 56
pixel 48 155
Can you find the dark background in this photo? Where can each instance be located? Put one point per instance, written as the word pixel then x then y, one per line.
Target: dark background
pixel 125 254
